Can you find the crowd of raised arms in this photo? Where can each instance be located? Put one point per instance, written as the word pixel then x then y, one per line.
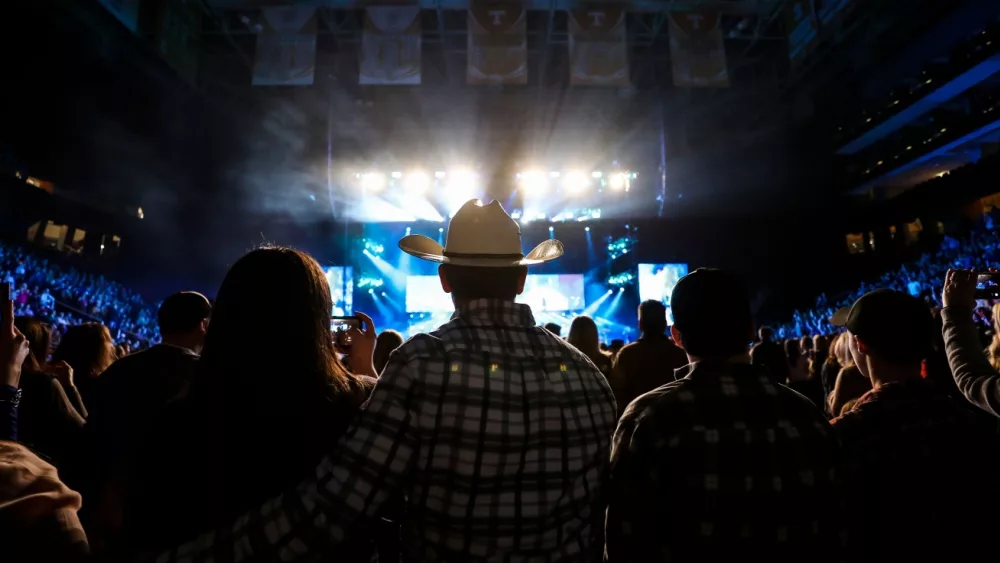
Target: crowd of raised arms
pixel 253 433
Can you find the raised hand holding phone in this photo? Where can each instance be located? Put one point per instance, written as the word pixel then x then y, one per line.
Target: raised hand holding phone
pixel 13 344
pixel 359 346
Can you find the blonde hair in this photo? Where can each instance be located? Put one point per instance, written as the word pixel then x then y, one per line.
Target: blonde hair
pixel 993 350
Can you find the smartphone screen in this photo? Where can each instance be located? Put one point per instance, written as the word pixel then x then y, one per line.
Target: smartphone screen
pixel 341 327
pixel 988 286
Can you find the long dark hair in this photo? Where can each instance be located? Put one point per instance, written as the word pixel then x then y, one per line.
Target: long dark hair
pixel 583 334
pixel 269 377
pixel 792 352
pixel 87 348
pixel 269 332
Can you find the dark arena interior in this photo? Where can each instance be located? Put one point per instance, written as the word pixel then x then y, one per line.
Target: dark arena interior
pixel 807 153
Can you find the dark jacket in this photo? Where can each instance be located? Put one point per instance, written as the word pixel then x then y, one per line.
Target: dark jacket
pixel 47 422
pixel 643 366
pixel 202 467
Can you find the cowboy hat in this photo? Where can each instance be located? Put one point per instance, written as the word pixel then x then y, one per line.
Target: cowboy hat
pixel 481 235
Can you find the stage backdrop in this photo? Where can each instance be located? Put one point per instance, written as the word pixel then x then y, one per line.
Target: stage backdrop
pixel 390 46
pixel 286 47
pixel 697 52
pixel 498 43
pixel 597 47
pixel 178 36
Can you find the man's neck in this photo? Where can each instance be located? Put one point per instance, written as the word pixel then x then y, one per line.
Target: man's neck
pixel 741 358
pixel 885 374
pixel 181 342
pixel 653 334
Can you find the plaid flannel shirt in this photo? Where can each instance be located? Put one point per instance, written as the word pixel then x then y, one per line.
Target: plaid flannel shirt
pixel 723 465
pixel 920 470
pixel 498 434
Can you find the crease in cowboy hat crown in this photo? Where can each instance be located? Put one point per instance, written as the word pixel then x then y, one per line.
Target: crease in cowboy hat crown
pixel 480 231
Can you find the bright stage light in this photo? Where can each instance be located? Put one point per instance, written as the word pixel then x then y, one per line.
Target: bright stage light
pixel 373 181
pixel 575 182
pixel 397 175
pixel 534 182
pixel 618 181
pixel 586 229
pixel 417 182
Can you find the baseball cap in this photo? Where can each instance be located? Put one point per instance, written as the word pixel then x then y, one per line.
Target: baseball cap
pixel 710 299
pixel 183 311
pixel 895 325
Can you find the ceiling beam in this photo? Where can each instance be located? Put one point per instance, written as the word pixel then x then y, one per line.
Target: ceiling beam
pixel 747 7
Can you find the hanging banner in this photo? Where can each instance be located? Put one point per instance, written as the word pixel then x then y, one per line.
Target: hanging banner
pixel 286 47
pixel 127 12
pixel 178 36
pixel 697 53
pixel 498 43
pixel 597 47
pixel 390 46
pixel 803 29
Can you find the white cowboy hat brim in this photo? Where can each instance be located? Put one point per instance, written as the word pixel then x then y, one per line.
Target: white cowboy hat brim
pixel 428 249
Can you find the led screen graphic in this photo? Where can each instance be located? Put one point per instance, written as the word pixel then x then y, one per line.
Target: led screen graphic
pixel 341 282
pixel 657 281
pixel 562 292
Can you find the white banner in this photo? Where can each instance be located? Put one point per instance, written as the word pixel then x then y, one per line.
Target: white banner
pixel 390 46
pixel 286 47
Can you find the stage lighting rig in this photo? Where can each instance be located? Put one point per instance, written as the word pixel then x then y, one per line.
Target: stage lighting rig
pixel 417 183
pixel 575 182
pixel 534 182
pixel 619 181
pixel 372 181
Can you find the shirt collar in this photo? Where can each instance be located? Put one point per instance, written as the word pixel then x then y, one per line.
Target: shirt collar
pixel 496 311
pixel 183 349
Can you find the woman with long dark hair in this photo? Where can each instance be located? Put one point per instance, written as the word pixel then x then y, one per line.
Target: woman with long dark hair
pixel 584 336
pixel 271 397
pixel 87 349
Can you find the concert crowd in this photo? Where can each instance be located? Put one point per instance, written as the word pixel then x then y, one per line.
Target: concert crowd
pixel 251 432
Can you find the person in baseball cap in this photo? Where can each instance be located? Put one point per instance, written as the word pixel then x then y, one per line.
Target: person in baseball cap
pixel 909 446
pixel 892 326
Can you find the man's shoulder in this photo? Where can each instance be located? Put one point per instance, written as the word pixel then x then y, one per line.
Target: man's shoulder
pixel 659 400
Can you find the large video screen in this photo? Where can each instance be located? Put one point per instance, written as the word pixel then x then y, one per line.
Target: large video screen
pixel 424 295
pixel 563 292
pixel 551 292
pixel 341 282
pixel 657 281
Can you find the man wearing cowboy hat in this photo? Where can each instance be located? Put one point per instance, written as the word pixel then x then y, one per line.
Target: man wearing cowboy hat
pixel 495 431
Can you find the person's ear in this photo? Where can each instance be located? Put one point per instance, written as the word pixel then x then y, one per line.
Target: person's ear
pixel 862 347
pixel 444 279
pixel 676 335
pixel 521 279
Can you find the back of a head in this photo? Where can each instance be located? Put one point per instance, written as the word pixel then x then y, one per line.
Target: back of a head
pixel 554 328
pixel 475 282
pixel 712 314
pixel 39 338
pixel 87 348
pixel 272 317
pixel 765 333
pixel 792 352
pixel 385 343
pixel 182 313
pixel 652 317
pixel 584 336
